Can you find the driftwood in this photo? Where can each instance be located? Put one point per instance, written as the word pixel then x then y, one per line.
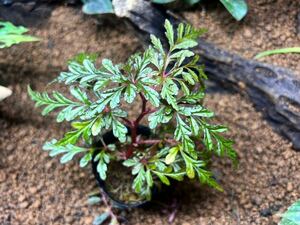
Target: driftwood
pixel 29 12
pixel 274 90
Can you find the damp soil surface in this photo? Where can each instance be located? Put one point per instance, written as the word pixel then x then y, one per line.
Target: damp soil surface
pixel 36 189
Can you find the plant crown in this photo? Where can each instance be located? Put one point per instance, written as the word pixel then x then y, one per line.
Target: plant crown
pixel 170 86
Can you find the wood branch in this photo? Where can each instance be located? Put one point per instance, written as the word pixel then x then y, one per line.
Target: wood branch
pixel 274 90
pixel 29 12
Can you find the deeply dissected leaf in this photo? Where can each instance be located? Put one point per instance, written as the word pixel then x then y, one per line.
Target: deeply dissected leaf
pixel 157 44
pixel 119 130
pixel 169 92
pixel 207 139
pixel 97 126
pixel 163 178
pixel 139 180
pixel 170 158
pixel 182 129
pixel 130 93
pixel 151 95
pixel 149 178
pixel 163 115
pixel 169 33
pixel 86 159
pixel 103 159
pixel 69 151
pixel 80 95
pixel 72 109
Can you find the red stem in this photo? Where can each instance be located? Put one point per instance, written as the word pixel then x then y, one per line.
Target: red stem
pixel 127 122
pixel 134 125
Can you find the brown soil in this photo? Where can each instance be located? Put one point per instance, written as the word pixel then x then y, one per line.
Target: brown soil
pixel 36 189
pixel 119 184
pixel 270 24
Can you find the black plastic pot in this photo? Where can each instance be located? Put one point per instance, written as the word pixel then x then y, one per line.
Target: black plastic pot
pixel 109 138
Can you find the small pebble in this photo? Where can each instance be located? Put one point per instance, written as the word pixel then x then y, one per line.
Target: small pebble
pixel 2 176
pixel 24 205
pixel 289 187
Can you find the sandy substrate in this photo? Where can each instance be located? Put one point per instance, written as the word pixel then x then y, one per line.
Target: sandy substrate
pixel 38 190
pixel 270 24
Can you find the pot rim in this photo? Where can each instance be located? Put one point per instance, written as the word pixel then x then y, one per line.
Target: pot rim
pixel 142 130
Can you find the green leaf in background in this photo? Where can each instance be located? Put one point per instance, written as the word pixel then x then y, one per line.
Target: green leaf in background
pixel 93 200
pixel 191 2
pixel 162 1
pixel 80 57
pixel 292 215
pixel 101 218
pixel 11 34
pixel 278 51
pixel 92 7
pixel 237 8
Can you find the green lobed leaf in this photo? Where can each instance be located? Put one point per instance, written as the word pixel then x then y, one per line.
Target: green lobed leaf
pixel 69 151
pixel 169 32
pixel 119 130
pixel 139 180
pixel 149 178
pixel 169 91
pixel 170 158
pixel 162 177
pixel 86 159
pixel 151 95
pixel 97 126
pixel 157 44
pixel 71 109
pixel 80 95
pixel 163 115
pixel 207 139
pixel 182 129
pixel 130 93
pixel 103 159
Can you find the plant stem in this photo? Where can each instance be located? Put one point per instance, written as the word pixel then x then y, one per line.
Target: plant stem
pixel 134 125
pixel 109 206
pixel 127 122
